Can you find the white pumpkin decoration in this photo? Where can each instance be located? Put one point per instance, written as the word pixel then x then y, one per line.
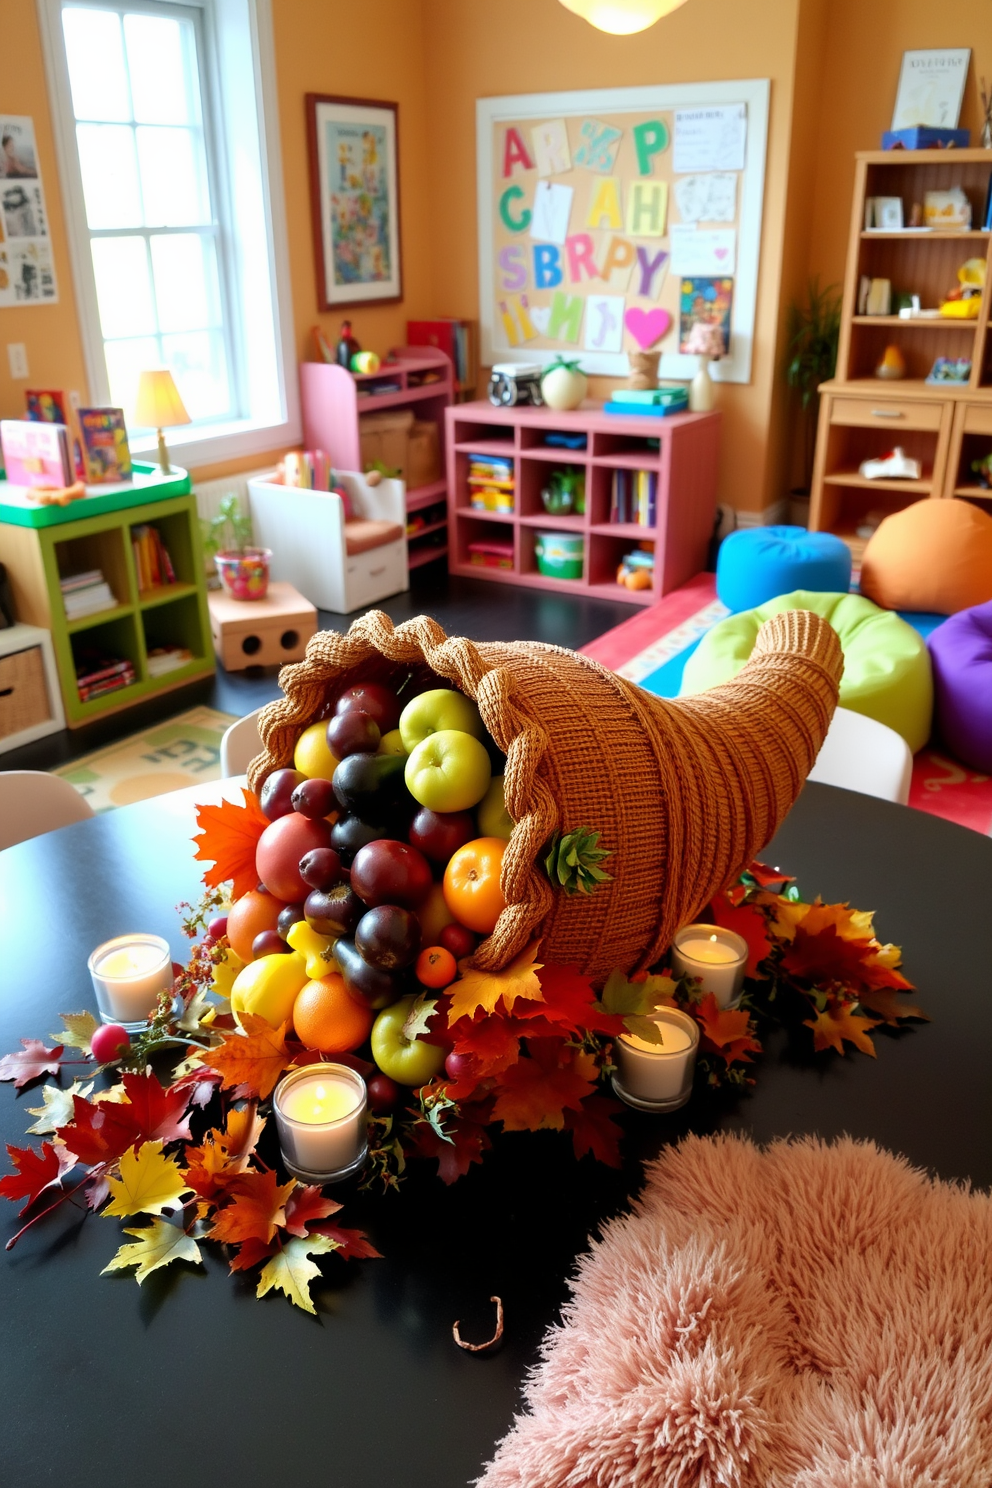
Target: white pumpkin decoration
pixel 563 385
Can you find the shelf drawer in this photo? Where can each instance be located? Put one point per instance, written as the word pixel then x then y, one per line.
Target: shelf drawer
pixel 882 413
pixel 977 420
pixel 23 694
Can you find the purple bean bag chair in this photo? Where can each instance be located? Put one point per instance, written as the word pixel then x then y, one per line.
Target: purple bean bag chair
pixel 961 653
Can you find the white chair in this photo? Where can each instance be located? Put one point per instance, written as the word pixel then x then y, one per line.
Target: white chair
pixel 32 802
pixel 860 754
pixel 240 745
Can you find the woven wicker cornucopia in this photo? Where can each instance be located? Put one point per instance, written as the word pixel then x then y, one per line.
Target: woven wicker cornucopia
pixel 684 793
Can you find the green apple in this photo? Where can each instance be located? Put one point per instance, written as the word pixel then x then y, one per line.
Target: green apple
pixel 448 771
pixel 493 818
pixel 407 1061
pixel 433 712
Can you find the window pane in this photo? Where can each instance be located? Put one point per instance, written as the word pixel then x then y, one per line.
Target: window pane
pixel 185 273
pixel 125 359
pixel 110 175
pixel 198 365
pixel 97 74
pixel 161 59
pixel 173 177
pixel 122 287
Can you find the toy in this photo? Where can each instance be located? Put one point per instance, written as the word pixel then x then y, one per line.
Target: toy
pixel 964 301
pixel 564 493
pixel 954 370
pixel 983 469
pixel 365 361
pixel 347 346
pixel 892 365
pixel 896 465
pixel 564 384
pixel 511 383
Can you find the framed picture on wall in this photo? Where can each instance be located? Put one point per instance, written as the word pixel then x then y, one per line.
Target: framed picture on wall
pixel 354 200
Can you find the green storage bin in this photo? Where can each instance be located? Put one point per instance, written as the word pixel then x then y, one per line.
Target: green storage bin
pixel 559 555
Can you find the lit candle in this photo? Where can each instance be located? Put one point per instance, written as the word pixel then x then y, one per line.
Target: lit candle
pixel 658 1077
pixel 715 956
pixel 320 1118
pixel 129 973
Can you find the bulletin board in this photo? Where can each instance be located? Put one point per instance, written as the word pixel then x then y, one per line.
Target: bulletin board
pixel 612 220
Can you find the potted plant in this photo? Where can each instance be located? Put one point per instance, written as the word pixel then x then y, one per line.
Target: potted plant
pixel 227 539
pixel 812 352
pixel 565 492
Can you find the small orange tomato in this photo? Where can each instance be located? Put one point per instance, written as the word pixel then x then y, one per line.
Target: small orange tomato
pixel 435 967
pixel 471 884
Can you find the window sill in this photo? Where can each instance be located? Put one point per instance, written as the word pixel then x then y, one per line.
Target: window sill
pixel 215 443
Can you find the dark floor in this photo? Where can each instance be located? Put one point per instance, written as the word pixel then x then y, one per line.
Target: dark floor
pixel 470 607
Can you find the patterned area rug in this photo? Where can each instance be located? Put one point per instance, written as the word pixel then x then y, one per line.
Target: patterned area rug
pixel 653 646
pixel 183 751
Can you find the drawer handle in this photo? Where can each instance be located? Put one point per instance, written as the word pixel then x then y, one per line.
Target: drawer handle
pixel 6 691
pixel 375 572
pixel 887 413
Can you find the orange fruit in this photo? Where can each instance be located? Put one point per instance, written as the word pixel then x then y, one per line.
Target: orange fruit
pixel 328 1018
pixel 248 917
pixel 436 967
pixel 471 884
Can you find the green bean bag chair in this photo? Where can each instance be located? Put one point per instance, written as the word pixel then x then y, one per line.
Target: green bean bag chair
pixel 886 666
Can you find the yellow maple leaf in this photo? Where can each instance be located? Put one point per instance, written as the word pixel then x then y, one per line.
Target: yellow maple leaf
pixel 158 1245
pixel 148 1182
pixel 291 1271
pixel 834 1025
pixel 483 989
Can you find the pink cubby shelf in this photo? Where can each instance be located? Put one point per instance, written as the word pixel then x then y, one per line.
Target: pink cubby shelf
pixel 685 464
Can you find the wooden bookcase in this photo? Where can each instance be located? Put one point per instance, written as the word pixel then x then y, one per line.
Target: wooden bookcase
pixel 334 400
pixel 41 545
pixel 685 463
pixel 863 416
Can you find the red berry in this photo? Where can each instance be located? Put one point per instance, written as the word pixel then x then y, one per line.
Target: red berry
pixel 459 941
pixel 109 1042
pixel 217 927
pixel 383 1093
pixel 459 1066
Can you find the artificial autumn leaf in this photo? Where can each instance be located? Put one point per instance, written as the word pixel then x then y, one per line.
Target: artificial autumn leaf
pixel 352 1245
pixel 483 989
pixel 305 1204
pixel 647 1029
pixel 726 1031
pixel 624 997
pixel 252 1253
pixel 880 1000
pixel 256 1060
pixel 56 1108
pixel 77 1030
pixel 822 956
pixel 594 1130
pixel 200 1083
pixel 418 1019
pixel 228 839
pixel 36 1171
pixel 156 1112
pixel 764 876
pixel 747 921
pixel 835 1024
pixel 194 1011
pixel 464 1144
pixel 291 1271
pixel 256 1210
pixel 493 1042
pixel 98 1133
pixel 158 1245
pixel 535 1092
pixel 568 999
pixel 148 1182
pixel 26 1066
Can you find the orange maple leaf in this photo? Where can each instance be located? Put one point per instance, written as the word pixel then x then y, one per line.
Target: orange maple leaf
pixel 535 1092
pixel 475 989
pixel 882 1000
pixel 224 1154
pixel 255 1060
pixel 256 1210
pixel 835 1024
pixel 727 1031
pixel 228 838
pixel 594 1130
pixel 826 955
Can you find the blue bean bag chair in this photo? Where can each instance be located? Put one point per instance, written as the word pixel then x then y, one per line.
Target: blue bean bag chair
pixel 961 652
pixel 760 563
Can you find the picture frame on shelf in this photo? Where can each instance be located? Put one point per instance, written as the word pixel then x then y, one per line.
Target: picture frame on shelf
pixel 354 200
pixel 931 88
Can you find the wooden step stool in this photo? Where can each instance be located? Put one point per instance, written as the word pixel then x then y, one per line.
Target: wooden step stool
pixel 261 632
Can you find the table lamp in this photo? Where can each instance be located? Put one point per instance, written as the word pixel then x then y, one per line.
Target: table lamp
pixel 159 406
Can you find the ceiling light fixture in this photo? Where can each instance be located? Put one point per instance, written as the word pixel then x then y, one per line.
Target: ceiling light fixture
pixel 622 17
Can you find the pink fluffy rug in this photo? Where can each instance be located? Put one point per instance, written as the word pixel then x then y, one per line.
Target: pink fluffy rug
pixel 807 1316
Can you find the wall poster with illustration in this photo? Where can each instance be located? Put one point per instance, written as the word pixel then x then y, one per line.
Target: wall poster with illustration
pixel 354 200
pixel 615 220
pixel 27 273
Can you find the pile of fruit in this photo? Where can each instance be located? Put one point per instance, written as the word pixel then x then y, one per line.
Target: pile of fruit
pixel 378 871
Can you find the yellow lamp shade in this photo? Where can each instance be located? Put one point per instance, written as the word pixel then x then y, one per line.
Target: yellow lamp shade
pixel 622 17
pixel 158 404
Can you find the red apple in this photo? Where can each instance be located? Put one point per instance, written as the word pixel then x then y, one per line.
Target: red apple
pixel 383 1094
pixel 280 848
pixel 388 872
pixel 353 732
pixel 375 700
pixel 458 940
pixel 439 835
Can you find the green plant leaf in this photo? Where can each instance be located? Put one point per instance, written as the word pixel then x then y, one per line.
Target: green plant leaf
pixel 632 999
pixel 573 860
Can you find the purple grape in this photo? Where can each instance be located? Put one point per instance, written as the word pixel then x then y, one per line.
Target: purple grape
pixel 321 868
pixel 313 798
pixel 268 943
pixel 388 937
pixel 353 732
pixel 288 917
pixel 276 794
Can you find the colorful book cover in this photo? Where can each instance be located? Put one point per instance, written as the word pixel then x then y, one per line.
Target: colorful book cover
pixel 35 454
pixel 705 301
pixel 106 453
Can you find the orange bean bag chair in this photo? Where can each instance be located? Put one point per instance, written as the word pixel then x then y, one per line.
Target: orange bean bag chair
pixel 934 555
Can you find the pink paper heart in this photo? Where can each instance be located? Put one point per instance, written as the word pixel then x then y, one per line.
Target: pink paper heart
pixel 647 326
pixel 720 252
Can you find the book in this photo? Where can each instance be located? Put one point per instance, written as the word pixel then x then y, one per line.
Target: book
pixel 162 659
pixel 152 563
pixel 106 453
pixel 654 410
pixel 36 454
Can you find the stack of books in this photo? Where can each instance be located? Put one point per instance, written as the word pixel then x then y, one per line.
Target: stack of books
pixel 634 497
pixel 164 659
pixel 152 563
pixel 651 403
pixel 491 483
pixel 97 673
pixel 86 594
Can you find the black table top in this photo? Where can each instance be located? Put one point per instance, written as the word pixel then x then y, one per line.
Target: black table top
pixel 191 1377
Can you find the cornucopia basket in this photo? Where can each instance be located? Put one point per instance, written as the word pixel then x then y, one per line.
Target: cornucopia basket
pixel 683 793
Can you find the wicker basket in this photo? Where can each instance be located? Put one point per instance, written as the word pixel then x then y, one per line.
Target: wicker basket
pixel 684 793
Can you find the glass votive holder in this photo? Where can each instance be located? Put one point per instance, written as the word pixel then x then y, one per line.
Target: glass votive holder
pixel 129 974
pixel 320 1118
pixel 658 1077
pixel 716 957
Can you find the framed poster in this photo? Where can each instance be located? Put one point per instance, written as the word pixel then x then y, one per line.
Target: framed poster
pixel 354 200
pixel 27 273
pixel 600 211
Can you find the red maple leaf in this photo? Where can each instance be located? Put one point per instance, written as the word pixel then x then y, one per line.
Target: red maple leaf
pixel 158 1114
pixel 36 1171
pixel 764 876
pixel 593 1129
pixel 569 1001
pixel 354 1245
pixel 256 1208
pixel 469 1140
pixel 305 1204
pixel 535 1092
pixel 749 922
pixel 726 1031
pixel 34 1061
pixel 493 1042
pixel 254 1059
pixel 825 956
pixel 251 1253
pixel 228 838
pixel 99 1133
pixel 199 1083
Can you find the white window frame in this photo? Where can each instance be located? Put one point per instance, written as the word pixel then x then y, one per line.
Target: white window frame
pixel 238 44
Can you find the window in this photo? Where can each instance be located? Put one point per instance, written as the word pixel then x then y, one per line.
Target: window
pixel 173 266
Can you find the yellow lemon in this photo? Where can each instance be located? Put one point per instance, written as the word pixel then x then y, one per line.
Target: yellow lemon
pixel 312 756
pixel 269 987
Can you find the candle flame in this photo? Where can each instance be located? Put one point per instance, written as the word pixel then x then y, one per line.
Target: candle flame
pixel 712 937
pixel 321 1092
